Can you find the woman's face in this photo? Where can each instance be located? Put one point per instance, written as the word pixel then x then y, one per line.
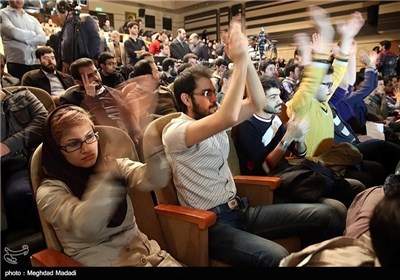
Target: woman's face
pixel 86 155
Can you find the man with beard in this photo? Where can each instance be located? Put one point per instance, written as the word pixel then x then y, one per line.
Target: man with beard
pixel 169 71
pixel 106 105
pixel 108 70
pixel 262 143
pixel 263 140
pixel 48 78
pixel 197 146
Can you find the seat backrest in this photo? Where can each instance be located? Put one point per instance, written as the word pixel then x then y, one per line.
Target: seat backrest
pixel 152 137
pixel 117 143
pixel 71 88
pixel 40 94
pixel 28 74
pixel 233 160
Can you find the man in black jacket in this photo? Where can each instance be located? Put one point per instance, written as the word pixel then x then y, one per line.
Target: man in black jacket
pixel 48 78
pixel 179 47
pixel 22 118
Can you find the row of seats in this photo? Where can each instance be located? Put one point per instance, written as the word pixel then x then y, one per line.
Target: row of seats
pixel 181 231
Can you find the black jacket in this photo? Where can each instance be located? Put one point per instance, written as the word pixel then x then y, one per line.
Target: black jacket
pixel 37 78
pixel 24 116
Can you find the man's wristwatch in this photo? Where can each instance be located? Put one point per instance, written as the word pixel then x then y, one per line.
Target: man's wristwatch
pixel 285 144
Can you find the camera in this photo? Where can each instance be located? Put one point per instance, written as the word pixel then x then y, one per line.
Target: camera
pixel 64 6
pixel 262 40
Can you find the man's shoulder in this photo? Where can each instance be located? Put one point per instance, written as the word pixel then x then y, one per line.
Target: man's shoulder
pixel 35 74
pixel 18 95
pixel 72 97
pixel 65 75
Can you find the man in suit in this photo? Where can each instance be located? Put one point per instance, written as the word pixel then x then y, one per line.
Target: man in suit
pixel 179 47
pixel 48 78
pixel 117 48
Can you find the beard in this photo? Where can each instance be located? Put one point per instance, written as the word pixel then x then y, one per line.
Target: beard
pixel 49 68
pixel 198 114
pixel 274 111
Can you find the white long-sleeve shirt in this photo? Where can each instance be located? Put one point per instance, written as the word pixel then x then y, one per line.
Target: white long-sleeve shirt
pixel 21 33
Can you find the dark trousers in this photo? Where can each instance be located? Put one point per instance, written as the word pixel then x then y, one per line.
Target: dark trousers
pixel 384 152
pixel 243 237
pixel 21 210
pixel 18 70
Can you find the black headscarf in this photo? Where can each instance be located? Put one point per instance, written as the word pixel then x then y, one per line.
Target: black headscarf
pixel 56 166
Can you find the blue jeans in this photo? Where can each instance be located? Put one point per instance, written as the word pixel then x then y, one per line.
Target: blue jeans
pixel 242 238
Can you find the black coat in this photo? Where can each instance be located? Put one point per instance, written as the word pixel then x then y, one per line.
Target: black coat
pixel 37 78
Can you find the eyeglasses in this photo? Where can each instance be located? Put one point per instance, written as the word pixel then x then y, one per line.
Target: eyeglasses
pixel 77 145
pixel 206 93
pixel 329 84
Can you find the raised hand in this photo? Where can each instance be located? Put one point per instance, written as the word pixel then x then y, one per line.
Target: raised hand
pixel 303 43
pixel 320 19
pixel 90 87
pixel 235 42
pixel 368 60
pixel 352 26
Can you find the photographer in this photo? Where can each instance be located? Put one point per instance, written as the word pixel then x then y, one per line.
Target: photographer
pixel 79 35
pixel 252 49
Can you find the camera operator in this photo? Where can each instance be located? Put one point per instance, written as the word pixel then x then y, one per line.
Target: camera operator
pixel 252 49
pixel 79 35
pixel 264 44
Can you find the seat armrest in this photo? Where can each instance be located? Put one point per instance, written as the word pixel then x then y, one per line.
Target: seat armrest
pixel 186 232
pixel 258 189
pixel 204 219
pixel 268 181
pixel 52 258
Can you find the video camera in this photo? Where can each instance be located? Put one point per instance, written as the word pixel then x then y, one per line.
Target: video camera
pixel 64 6
pixel 262 41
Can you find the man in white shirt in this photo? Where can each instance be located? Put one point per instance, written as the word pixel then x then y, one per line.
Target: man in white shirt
pixel 21 33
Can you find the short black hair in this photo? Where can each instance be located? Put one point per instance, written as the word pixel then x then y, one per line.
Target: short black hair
pixel 43 50
pixel 168 62
pixel 132 23
pixel 103 57
pixel 185 82
pixel 74 67
pixel 386 43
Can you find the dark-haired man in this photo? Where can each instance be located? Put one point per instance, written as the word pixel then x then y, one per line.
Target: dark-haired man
pixel 108 70
pixel 48 77
pixel 106 104
pixel 134 46
pixel 241 234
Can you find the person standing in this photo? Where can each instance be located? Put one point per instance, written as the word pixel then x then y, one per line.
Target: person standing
pixel 199 48
pixel 21 34
pixel 117 48
pixel 79 36
pixel 179 47
pixel 134 46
